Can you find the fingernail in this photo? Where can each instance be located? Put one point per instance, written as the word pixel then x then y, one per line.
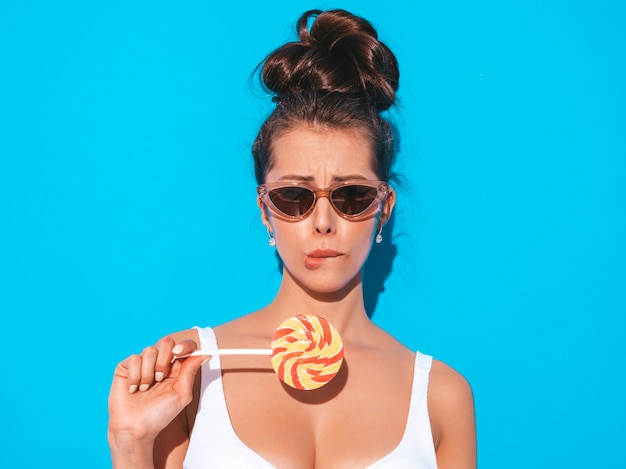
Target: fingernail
pixel 132 388
pixel 177 349
pixel 144 387
pixel 158 376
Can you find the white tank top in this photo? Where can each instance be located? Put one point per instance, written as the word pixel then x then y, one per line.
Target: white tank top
pixel 214 443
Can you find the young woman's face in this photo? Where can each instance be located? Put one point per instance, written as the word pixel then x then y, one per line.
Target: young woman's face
pixel 324 252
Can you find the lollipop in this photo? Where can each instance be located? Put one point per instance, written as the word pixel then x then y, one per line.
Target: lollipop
pixel 306 352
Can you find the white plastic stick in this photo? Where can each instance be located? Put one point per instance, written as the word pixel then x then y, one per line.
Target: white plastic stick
pixel 228 351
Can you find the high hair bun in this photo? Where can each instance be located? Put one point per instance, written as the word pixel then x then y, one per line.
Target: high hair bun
pixel 340 53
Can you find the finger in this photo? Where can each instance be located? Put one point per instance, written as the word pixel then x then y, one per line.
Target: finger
pixel 148 362
pixel 185 347
pixel 164 358
pixel 133 370
pixel 187 375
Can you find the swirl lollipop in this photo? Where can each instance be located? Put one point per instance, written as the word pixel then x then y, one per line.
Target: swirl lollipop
pixel 306 352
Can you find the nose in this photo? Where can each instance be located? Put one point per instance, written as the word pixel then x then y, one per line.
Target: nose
pixel 323 216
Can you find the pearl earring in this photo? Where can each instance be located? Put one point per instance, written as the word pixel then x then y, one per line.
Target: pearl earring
pixel 272 240
pixel 379 236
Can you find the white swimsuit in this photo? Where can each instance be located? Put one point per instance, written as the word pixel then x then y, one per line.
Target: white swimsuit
pixel 214 443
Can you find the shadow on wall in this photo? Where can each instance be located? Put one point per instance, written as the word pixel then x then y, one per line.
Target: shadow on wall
pixel 378 267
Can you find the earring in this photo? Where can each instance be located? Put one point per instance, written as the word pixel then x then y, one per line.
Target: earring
pixel 379 236
pixel 272 240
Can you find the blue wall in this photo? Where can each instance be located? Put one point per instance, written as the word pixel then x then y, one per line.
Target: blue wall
pixel 127 207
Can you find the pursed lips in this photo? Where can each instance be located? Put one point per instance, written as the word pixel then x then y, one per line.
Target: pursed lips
pixel 318 253
pixel 316 258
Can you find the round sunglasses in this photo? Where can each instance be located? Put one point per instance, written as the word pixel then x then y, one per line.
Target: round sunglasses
pixel 352 200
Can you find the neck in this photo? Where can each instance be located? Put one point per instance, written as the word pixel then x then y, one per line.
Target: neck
pixel 344 308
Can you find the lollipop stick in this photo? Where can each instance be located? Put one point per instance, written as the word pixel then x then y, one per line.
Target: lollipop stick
pixel 228 351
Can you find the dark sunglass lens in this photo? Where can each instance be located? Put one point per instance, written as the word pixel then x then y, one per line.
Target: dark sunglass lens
pixel 292 201
pixel 353 199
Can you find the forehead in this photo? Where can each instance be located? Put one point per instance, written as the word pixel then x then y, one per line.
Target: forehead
pixel 322 154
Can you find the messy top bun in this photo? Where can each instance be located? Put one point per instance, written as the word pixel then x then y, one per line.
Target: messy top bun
pixel 340 53
pixel 338 74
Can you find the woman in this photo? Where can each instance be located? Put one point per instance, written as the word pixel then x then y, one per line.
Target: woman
pixel 323 161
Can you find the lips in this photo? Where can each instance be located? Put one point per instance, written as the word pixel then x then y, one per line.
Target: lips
pixel 320 253
pixel 316 258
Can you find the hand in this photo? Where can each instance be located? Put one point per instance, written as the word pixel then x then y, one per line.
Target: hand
pixel 149 390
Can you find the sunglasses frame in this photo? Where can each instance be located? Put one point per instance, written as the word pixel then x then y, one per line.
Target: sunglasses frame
pixel 382 191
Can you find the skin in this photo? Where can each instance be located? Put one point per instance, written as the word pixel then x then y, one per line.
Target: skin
pixel 154 400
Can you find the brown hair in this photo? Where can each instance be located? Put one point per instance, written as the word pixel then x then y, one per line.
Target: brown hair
pixel 338 74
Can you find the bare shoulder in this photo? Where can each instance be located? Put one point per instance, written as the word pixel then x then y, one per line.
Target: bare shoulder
pixel 187 334
pixel 447 386
pixel 451 409
pixel 250 330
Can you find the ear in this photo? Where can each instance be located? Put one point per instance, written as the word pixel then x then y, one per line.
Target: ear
pixel 264 215
pixel 387 208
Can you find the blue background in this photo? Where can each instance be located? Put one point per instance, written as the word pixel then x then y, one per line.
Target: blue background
pixel 127 207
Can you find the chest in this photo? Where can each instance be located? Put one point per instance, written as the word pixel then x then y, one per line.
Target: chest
pixel 353 421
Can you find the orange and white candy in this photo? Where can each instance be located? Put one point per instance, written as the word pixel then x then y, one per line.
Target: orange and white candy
pixel 307 352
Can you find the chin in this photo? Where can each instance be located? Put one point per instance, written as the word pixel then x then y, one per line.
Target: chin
pixel 332 287
pixel 339 281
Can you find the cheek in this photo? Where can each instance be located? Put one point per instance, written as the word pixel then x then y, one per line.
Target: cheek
pixel 361 234
pixel 288 235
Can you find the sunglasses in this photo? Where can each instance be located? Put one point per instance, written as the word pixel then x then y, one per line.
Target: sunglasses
pixel 294 201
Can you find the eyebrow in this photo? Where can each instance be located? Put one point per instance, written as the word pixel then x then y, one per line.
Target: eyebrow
pixel 296 177
pixel 349 177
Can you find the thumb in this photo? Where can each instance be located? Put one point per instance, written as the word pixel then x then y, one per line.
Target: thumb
pixel 189 370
